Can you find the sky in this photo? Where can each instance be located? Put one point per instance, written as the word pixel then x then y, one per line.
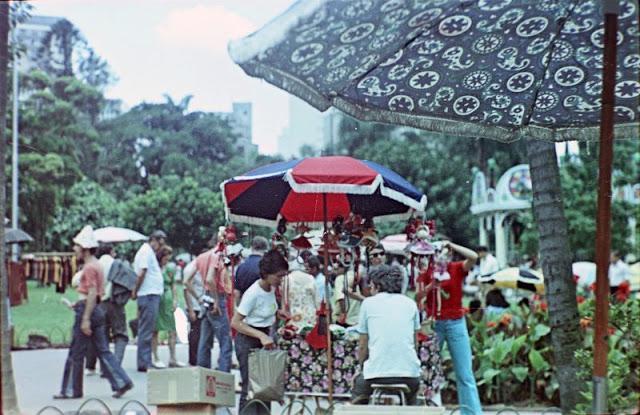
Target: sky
pixel 179 47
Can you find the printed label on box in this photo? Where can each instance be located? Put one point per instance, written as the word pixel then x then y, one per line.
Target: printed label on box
pixel 211 386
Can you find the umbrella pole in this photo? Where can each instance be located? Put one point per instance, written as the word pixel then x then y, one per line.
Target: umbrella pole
pixel 328 302
pixel 603 230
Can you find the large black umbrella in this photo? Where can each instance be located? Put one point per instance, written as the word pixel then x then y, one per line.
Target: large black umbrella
pixel 500 69
pixel 16 236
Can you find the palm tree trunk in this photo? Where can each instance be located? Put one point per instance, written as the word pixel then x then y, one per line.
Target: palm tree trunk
pixel 556 260
pixel 9 397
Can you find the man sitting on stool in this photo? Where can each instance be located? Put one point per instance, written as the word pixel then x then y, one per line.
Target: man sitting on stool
pixel 388 325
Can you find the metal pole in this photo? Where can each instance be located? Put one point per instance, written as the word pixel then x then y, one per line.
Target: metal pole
pixel 326 291
pixel 603 230
pixel 14 157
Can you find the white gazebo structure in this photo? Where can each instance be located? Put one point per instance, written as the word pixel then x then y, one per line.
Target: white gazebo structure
pixel 497 208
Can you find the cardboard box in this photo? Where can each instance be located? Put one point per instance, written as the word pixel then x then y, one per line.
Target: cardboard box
pixel 190 385
pixel 388 410
pixel 187 409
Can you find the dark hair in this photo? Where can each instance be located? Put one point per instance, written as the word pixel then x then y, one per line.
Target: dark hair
pixel 93 251
pixel 496 299
pixel 306 254
pixel 105 249
pixel 273 262
pixel 313 262
pixel 474 305
pixel 482 248
pixel 387 279
pixel 158 234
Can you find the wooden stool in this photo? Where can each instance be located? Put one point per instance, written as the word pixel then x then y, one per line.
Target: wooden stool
pixel 395 389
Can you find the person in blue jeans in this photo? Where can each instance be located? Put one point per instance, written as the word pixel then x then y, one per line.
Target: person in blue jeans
pixel 149 288
pixel 89 328
pixel 215 321
pixel 444 280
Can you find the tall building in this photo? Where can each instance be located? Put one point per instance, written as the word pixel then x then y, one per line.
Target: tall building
pixel 30 38
pixel 305 128
pixel 241 121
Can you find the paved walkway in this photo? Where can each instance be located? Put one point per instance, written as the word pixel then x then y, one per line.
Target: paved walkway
pixel 38 374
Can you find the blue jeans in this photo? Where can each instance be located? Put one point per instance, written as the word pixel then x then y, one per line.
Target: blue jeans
pixel 148 307
pixel 454 332
pixel 74 366
pixel 215 325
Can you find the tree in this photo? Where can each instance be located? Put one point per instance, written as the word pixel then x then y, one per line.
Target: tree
pixel 555 255
pixel 164 139
pixel 187 212
pixel 9 396
pixel 87 203
pixel 418 157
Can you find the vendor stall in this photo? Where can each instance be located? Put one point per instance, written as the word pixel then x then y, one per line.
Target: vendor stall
pixel 307 368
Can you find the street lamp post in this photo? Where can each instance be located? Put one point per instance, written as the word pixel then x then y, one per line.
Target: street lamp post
pixel 14 157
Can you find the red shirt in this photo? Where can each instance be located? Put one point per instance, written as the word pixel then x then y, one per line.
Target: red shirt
pixel 92 276
pixel 204 262
pixel 451 307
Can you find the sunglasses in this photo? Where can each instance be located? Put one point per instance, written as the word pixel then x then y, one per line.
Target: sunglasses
pixel 377 254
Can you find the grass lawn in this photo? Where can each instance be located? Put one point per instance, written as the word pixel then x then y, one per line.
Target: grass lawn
pixel 45 314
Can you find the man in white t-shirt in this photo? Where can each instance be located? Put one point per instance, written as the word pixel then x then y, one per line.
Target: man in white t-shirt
pixel 149 288
pixel 388 326
pixel 619 271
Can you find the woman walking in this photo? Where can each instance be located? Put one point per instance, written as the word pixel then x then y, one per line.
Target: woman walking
pixel 168 304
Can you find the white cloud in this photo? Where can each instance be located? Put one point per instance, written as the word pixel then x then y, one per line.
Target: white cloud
pixel 203 27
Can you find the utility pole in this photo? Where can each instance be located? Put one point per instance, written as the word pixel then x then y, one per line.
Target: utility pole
pixel 15 210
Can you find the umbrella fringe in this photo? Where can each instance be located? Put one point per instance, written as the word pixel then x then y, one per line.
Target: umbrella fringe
pixel 250 220
pixel 454 127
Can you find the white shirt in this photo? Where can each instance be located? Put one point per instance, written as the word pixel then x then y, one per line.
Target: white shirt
pixel 320 281
pixel 258 306
pixel 619 272
pixel 489 265
pixel 146 259
pixel 196 283
pixel 106 261
pixel 391 322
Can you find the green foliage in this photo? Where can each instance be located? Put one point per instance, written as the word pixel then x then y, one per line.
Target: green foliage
pixel 186 211
pixel 161 140
pixel 87 204
pixel 579 178
pixel 623 357
pixel 440 166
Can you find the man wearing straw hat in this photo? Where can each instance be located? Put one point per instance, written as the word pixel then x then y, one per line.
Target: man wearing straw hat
pixel 89 327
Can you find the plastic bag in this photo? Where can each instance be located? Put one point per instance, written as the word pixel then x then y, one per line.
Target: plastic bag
pixel 266 374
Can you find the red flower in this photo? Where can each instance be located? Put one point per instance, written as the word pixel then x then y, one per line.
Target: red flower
pixel 580 299
pixel 506 319
pixel 543 306
pixel 611 331
pixel 491 324
pixel 623 292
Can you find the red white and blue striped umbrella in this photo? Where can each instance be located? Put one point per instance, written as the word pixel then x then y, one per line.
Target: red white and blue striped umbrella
pixel 294 190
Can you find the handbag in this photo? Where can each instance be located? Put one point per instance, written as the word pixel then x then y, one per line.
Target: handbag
pixel 266 374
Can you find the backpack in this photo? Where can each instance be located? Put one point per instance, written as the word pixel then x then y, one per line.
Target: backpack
pixel 123 281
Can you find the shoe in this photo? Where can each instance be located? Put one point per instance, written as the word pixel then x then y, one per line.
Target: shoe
pixel 158 365
pixel 142 369
pixel 63 396
pixel 123 390
pixel 177 364
pixel 89 372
